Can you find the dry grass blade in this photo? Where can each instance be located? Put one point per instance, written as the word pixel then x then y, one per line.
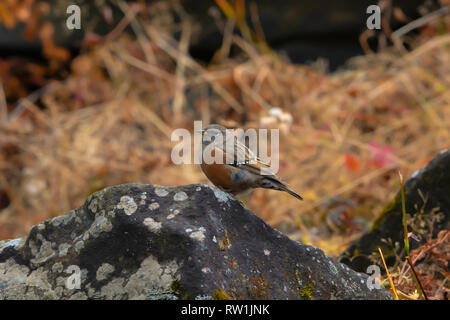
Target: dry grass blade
pixel 169 46
pixel 391 283
pixel 3 106
pixel 420 22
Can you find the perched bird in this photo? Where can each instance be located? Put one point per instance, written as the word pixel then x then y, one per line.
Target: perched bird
pixel 237 176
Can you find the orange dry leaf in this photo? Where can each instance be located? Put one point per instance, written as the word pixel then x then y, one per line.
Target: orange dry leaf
pixel 50 50
pixel 352 163
pixel 6 17
pixel 32 25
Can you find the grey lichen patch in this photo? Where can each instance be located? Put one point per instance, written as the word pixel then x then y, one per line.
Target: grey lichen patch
pixel 62 220
pixel 79 245
pixel 104 271
pixel 57 267
pixel 12 281
pixel 63 248
pixel 220 195
pixel 78 296
pixel 332 268
pixel 111 214
pixel 198 235
pixel 42 252
pixel 127 204
pixel 100 224
pixel 153 206
pixel 114 289
pixel 180 196
pixel 152 276
pixel 106 213
pixel 59 291
pixel 173 214
pixel 37 284
pixel 56 221
pixel 152 225
pixel 93 205
pixel 143 197
pixel 161 192
pixel 61 281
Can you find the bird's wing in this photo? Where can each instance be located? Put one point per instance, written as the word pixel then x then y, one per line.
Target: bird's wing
pixel 245 158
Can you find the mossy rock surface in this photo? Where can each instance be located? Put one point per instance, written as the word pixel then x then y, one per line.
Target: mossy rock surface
pixel 138 241
pixel 428 192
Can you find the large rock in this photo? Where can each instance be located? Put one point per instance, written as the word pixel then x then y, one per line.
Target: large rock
pixel 137 241
pixel 427 192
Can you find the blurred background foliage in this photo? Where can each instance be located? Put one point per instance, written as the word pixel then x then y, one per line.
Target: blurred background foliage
pixel 81 110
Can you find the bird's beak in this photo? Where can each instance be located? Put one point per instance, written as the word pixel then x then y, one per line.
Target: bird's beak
pixel 203 131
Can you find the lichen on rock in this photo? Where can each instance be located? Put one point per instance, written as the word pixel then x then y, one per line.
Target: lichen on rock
pixel 201 244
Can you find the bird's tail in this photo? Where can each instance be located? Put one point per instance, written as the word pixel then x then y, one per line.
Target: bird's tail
pixel 272 183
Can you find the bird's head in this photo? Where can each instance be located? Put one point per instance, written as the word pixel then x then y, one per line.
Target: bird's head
pixel 213 132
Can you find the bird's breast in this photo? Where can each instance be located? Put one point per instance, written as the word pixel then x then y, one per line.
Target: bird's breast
pixel 228 177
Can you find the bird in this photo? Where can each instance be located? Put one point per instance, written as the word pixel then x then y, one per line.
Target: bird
pixel 245 170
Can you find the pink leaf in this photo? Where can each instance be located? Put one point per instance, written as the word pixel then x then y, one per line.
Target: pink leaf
pixel 382 156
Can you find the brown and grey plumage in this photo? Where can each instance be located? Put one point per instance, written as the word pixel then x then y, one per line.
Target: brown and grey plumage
pixel 244 171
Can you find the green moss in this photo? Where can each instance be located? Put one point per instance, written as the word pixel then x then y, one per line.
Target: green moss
pixel 297 275
pixel 384 213
pixel 221 295
pixel 306 292
pixel 175 286
pixel 260 288
pixel 178 290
